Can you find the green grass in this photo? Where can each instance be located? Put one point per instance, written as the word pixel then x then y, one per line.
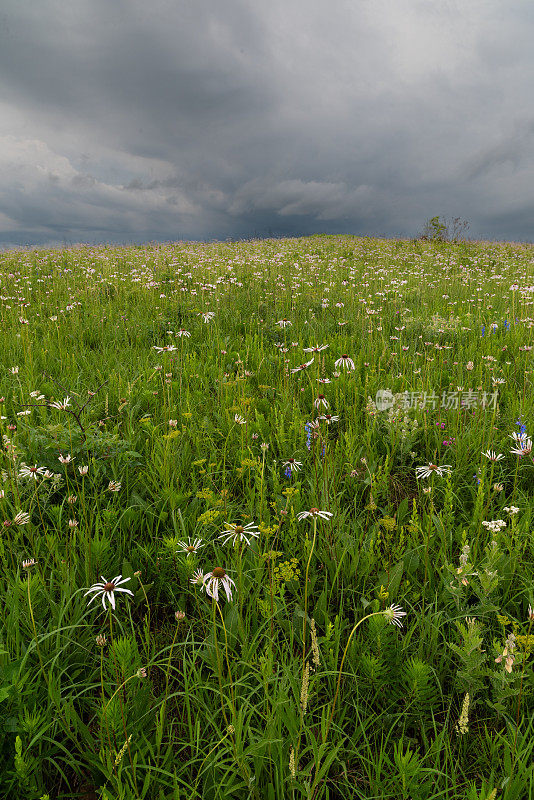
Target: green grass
pixel 279 692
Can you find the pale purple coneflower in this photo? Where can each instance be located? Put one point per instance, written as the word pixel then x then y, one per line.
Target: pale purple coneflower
pixel 239 533
pixel 106 589
pixel 216 579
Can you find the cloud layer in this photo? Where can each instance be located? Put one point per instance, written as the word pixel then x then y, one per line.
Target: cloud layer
pixel 126 121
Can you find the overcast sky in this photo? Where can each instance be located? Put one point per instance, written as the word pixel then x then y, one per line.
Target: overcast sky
pixel 140 120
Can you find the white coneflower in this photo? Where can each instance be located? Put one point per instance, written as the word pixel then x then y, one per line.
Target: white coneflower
pixel 207 316
pixel 239 533
pixel 214 580
pixel 14 370
pixel 292 465
pixel 73 523
pixel 28 562
pixel 321 400
pixel 314 513
pixel 183 332
pixel 302 366
pixel 524 444
pixel 493 456
pixel 114 486
pixel 393 615
pixel 264 446
pixel 470 366
pixel 61 405
pixel 329 418
pixel 316 349
pixel 65 459
pixel 22 518
pixel 173 423
pixel 71 499
pixel 346 362
pixel 167 348
pixel 198 578
pixel 432 469
pixel 190 547
pixel 83 470
pixel 530 613
pixel 106 589
pixel 240 420
pixel 283 323
pixel 34 472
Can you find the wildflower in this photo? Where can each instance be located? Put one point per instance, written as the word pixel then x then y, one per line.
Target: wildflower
pixel 462 726
pixel 14 370
pixel 531 613
pixel 316 349
pixel 292 465
pixel 29 562
pixel 239 533
pixel 83 470
pixel 198 578
pixel 190 547
pixel 283 323
pixel 240 420
pixel 264 446
pixel 508 653
pixel 60 405
pixel 324 380
pixel 524 444
pixel 183 332
pixel 141 672
pixel 493 456
pixel 100 640
pixel 329 418
pixel 314 513
pixel 321 400
pixel 22 518
pixel 292 766
pixel 494 525
pixel 469 365
pixel 393 615
pixel 498 487
pixel 304 689
pixel 214 580
pixel 173 423
pixel 316 656
pixel 207 316
pixel 114 486
pixel 107 590
pixel 345 362
pixel 179 616
pixel 31 472
pixel 511 510
pixel 73 523
pixel 431 469
pixel 302 366
pixel 168 348
pixel 71 499
pixel 65 459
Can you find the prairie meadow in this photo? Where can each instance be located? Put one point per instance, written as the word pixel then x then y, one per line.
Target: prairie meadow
pixel 266 518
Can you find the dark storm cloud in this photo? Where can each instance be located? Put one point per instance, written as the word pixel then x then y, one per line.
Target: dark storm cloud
pixel 122 120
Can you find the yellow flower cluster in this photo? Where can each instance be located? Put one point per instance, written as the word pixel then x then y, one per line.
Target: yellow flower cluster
pixel 286 571
pixel 209 516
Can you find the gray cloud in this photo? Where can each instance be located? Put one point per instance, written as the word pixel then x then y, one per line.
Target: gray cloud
pixel 128 121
